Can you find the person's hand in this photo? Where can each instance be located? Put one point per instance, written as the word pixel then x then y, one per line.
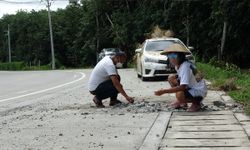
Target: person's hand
pixel 159 92
pixel 130 99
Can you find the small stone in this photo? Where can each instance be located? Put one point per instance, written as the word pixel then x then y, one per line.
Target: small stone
pixel 115 136
pixel 85 113
pixel 128 132
pixel 60 134
pixel 219 103
pixel 151 104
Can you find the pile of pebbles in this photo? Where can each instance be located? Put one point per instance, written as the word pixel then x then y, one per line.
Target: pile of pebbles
pixel 142 107
pixel 150 107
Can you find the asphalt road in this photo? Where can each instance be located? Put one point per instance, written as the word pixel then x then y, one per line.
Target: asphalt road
pixel 20 84
pixel 54 110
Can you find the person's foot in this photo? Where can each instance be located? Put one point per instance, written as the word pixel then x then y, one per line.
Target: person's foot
pixel 177 105
pixel 114 102
pixel 194 107
pixel 98 103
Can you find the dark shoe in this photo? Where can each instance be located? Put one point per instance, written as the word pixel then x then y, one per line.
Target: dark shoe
pixel 98 103
pixel 114 102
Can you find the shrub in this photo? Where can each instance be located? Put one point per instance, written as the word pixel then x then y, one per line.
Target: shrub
pixel 12 66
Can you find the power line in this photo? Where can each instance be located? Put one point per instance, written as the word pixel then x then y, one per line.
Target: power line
pixel 18 2
pixel 26 2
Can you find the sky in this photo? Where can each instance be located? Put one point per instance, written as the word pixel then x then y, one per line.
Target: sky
pixel 6 7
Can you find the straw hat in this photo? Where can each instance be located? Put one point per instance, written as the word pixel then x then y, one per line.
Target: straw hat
pixel 176 48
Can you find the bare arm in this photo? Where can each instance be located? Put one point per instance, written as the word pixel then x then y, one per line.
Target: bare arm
pixel 119 88
pixel 171 90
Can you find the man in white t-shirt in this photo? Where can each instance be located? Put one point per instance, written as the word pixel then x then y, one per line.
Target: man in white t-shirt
pixel 104 81
pixel 184 84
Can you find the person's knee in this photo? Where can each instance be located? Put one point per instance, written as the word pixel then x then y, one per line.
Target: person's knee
pixel 181 96
pixel 171 77
pixel 172 80
pixel 119 77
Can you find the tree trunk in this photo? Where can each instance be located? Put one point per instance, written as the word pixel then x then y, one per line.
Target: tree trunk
pixel 112 25
pixel 223 40
pixel 127 5
pixel 97 31
pixel 168 10
pixel 188 24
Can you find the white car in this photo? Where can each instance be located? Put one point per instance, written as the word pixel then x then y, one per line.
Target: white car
pixel 149 61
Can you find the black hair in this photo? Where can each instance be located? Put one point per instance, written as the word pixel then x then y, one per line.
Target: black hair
pixel 120 54
pixel 181 57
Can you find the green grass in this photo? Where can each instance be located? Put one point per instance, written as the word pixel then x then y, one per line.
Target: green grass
pixel 12 66
pixel 220 76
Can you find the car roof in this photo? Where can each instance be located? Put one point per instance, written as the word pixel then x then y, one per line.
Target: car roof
pixel 111 49
pixel 159 39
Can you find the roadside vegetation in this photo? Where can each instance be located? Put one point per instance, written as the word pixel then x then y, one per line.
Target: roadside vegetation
pixel 19 66
pixel 229 78
pixel 83 29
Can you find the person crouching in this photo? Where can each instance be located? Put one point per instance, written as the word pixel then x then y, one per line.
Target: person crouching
pixel 104 81
pixel 184 84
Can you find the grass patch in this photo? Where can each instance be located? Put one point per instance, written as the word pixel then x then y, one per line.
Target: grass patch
pixel 12 66
pixel 223 78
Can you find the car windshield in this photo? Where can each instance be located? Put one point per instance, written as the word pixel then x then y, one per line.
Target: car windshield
pixel 159 45
pixel 112 50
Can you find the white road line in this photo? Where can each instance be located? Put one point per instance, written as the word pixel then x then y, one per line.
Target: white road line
pixel 21 92
pixel 45 90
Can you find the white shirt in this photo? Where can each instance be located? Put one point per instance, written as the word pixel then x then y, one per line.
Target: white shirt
pixel 102 72
pixel 186 77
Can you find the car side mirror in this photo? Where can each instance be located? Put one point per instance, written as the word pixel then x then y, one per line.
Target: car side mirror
pixel 138 50
pixel 190 48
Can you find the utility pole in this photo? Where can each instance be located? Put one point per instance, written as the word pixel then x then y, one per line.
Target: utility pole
pixel 8 32
pixel 51 35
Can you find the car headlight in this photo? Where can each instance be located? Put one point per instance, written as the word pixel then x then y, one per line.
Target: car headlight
pixel 148 59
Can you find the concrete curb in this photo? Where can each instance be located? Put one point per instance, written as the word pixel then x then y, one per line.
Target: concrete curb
pixel 157 132
pixel 241 117
pixel 244 121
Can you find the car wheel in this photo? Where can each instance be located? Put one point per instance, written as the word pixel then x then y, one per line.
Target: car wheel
pixel 125 65
pixel 143 78
pixel 138 75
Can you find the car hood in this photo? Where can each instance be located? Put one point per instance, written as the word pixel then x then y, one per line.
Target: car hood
pixel 156 54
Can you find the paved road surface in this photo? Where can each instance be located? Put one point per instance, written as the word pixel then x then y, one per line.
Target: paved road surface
pixel 53 110
pixel 17 84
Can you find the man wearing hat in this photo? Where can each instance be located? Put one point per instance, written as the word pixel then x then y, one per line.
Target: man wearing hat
pixel 104 81
pixel 184 84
